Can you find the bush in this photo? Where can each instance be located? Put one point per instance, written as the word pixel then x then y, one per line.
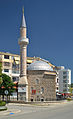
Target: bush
pixel 2 103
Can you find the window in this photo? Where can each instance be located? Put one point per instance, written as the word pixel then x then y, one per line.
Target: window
pixel 6 70
pixel 57 80
pixel 57 88
pixel 64 72
pixel 15 71
pixel 15 66
pixel 15 79
pixel 31 88
pixel 37 81
pixel 64 77
pixel 42 90
pixel 6 56
pixel 12 57
pixel 65 85
pixel 64 81
pixel 6 64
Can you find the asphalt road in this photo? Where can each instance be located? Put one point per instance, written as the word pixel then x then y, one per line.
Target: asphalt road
pixel 59 111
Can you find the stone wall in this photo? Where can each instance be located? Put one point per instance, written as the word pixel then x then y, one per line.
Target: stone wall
pixel 41 87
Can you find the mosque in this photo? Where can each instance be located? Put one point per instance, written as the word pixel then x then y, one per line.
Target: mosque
pixel 38 81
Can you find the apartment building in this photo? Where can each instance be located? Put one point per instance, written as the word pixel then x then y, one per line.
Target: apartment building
pixel 63 80
pixel 10 65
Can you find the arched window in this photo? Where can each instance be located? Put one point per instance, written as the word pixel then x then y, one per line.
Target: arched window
pixel 37 81
pixel 57 80
pixel 42 90
pixel 31 88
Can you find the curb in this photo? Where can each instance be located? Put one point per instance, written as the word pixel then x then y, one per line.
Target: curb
pixel 9 111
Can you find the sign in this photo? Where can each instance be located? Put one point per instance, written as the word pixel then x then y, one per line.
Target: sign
pixel 6 92
pixel 33 92
pixel 21 89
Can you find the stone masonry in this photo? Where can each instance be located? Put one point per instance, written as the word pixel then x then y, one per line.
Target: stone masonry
pixel 38 80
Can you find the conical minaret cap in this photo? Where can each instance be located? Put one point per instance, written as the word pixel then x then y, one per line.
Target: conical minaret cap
pixel 23 23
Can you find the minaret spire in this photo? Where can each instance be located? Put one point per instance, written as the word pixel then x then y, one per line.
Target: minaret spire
pixel 23 9
pixel 23 23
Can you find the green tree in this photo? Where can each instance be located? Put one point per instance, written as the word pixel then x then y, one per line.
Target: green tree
pixel 0 72
pixel 71 88
pixel 6 84
pixel 71 85
pixel 0 67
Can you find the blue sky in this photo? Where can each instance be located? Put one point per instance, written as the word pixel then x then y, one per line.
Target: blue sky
pixel 49 28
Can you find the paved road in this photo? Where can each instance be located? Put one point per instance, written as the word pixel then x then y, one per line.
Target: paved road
pixel 59 111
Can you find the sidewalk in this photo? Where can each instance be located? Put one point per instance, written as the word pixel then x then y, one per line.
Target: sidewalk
pixel 40 103
pixel 9 111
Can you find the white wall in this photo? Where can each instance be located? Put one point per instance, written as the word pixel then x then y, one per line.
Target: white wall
pixel 61 79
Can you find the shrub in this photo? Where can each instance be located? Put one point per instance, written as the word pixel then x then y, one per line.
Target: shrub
pixel 2 103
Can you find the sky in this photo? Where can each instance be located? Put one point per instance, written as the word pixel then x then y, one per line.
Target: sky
pixel 49 29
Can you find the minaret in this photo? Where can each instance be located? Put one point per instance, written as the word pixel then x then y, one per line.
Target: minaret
pixel 23 42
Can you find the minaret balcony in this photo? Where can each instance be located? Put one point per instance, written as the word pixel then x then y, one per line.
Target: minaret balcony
pixel 23 41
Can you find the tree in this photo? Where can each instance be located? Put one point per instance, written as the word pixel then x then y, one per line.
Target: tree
pixel 71 85
pixel 71 88
pixel 0 72
pixel 6 84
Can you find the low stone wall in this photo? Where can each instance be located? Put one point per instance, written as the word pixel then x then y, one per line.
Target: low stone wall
pixel 3 108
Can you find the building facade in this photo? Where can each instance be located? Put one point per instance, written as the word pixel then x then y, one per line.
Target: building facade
pixel 10 65
pixel 41 82
pixel 63 80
